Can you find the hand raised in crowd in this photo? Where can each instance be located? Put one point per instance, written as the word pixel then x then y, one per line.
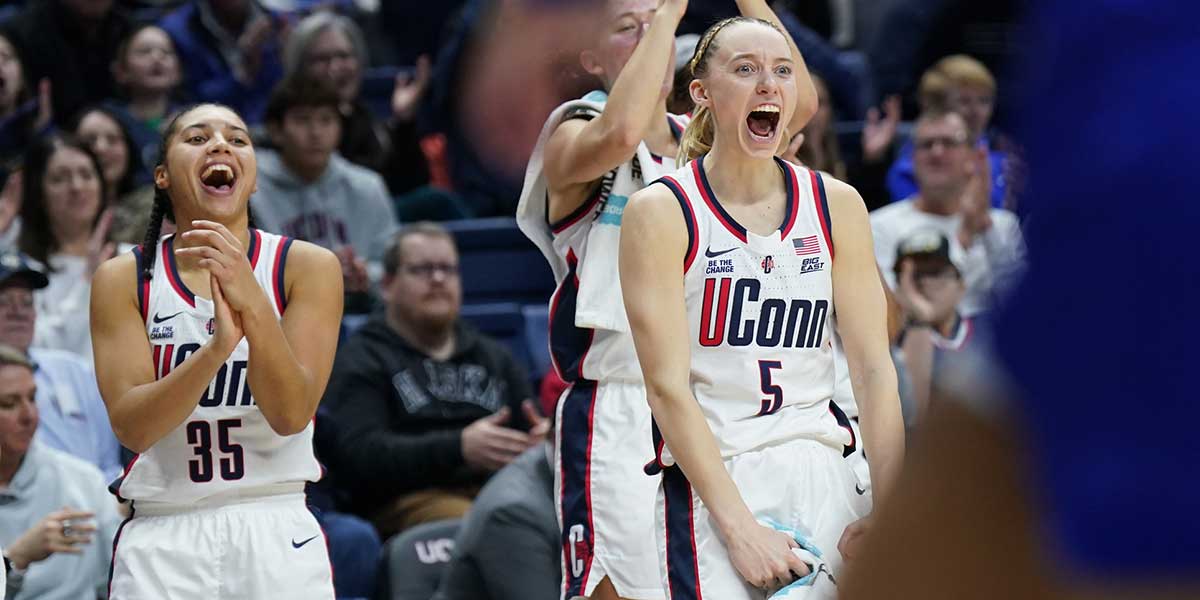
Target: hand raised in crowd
pixel 792 152
pixel 45 113
pixel 488 445
pixel 410 88
pixel 880 131
pixel 221 254
pixel 977 199
pixel 10 200
pixel 66 530
pixel 100 248
pixel 915 305
pixel 354 270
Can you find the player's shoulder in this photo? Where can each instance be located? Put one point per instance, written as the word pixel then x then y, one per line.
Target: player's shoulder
pixel 117 271
pixel 305 257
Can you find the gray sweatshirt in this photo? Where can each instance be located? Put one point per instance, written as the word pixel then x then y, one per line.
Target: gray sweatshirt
pixel 348 204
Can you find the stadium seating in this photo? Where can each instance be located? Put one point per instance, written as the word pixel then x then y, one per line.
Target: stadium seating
pixel 499 264
pixel 505 322
pixel 415 560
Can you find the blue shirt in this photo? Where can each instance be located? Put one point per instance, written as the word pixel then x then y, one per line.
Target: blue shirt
pixel 902 176
pixel 72 414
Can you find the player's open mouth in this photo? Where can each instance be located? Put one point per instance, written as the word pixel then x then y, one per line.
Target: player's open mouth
pixel 763 122
pixel 218 178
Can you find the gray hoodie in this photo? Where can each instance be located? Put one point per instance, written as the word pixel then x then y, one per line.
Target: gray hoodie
pixel 348 204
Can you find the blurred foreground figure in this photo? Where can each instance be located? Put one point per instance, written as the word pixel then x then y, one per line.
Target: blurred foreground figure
pixel 1073 484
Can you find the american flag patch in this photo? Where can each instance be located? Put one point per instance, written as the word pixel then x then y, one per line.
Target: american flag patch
pixel 807 245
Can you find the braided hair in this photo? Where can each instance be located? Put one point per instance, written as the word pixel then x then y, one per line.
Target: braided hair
pixel 162 208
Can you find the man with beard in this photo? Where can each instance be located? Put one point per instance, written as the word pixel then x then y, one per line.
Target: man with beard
pixel 423 407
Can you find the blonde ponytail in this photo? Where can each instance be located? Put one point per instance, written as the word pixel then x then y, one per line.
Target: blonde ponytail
pixel 698 137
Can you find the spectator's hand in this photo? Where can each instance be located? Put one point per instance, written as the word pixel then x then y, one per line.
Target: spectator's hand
pixel 99 248
pixel 49 536
pixel 10 200
pixel 539 426
pixel 1016 178
pixel 354 270
pixel 764 557
pixel 488 445
pixel 879 132
pixel 406 96
pixel 851 541
pixel 45 113
pixel 792 152
pixel 915 305
pixel 251 43
pixel 977 198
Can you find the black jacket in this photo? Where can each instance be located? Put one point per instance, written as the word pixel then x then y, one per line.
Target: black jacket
pixel 397 415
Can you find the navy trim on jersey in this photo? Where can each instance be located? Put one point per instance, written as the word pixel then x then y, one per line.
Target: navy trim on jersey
pixel 112 563
pixel 115 486
pixel 566 222
pixel 822 208
pixel 254 249
pixel 143 285
pixel 689 218
pixel 683 569
pixel 575 464
pixel 844 422
pixel 793 198
pixel 676 128
pixel 710 197
pixel 569 344
pixel 655 466
pixel 168 250
pixel 278 271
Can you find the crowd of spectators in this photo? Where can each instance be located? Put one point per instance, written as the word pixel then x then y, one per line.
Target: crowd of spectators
pixel 373 119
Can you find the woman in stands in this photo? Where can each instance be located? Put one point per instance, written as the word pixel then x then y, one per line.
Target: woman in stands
pixel 593 154
pixel 201 367
pixel 730 282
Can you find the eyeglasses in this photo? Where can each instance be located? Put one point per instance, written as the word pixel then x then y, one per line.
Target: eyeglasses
pixel 15 302
pixel 947 142
pixel 428 270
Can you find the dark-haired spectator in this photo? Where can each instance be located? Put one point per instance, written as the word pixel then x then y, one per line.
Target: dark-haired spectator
pixel 73 417
pixel 424 407
pixel 57 519
pixel 64 226
pixel 23 114
pixel 511 528
pixel 71 43
pixel 966 86
pixel 306 190
pixel 230 50
pixel 126 182
pixel 148 72
pixel 954 188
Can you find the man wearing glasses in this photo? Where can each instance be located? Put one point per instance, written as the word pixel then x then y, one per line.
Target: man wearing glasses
pixel 424 407
pixel 954 187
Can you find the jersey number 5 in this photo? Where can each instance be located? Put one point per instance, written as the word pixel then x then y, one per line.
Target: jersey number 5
pixel 231 465
pixel 775 402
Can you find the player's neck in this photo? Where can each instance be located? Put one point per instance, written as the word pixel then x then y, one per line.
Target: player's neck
pixel 740 179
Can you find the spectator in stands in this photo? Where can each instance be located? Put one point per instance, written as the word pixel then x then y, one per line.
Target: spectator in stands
pixel 10 207
pixel 148 73
pixel 71 43
pixel 57 519
pixel 424 406
pixel 511 528
pixel 22 113
pixel 970 89
pixel 306 190
pixel 73 417
pixel 230 51
pixel 954 187
pixel 127 187
pixel 64 226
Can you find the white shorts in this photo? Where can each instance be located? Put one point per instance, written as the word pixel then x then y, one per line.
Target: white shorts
pixel 260 548
pixel 803 485
pixel 605 501
pixel 858 464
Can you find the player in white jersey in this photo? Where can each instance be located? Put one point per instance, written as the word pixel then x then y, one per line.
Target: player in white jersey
pixel 205 377
pixel 736 350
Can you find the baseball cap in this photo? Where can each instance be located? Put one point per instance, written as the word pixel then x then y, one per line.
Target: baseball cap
pixel 926 244
pixel 15 264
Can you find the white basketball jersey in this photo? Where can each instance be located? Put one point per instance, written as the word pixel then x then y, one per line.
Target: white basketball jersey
pixel 596 354
pixel 226 444
pixel 759 311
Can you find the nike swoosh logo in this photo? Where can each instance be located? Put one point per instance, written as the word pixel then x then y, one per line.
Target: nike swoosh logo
pixel 158 319
pixel 296 544
pixel 710 254
pixel 858 489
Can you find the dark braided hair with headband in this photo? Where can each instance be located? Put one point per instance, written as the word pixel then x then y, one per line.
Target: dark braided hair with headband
pixel 162 200
pixel 698 137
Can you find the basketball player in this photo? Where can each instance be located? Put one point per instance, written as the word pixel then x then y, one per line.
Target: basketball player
pixel 204 375
pixel 736 349
pixel 594 153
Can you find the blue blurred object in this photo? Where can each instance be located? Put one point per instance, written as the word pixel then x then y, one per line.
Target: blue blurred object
pixel 1110 125
pixel 537 337
pixel 499 264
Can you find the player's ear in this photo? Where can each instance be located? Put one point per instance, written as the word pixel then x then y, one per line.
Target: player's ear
pixel 591 63
pixel 162 180
pixel 699 94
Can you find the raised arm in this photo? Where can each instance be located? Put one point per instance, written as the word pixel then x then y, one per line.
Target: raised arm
pixel 863 325
pixel 290 358
pixel 143 409
pixel 806 99
pixel 653 235
pixel 580 152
